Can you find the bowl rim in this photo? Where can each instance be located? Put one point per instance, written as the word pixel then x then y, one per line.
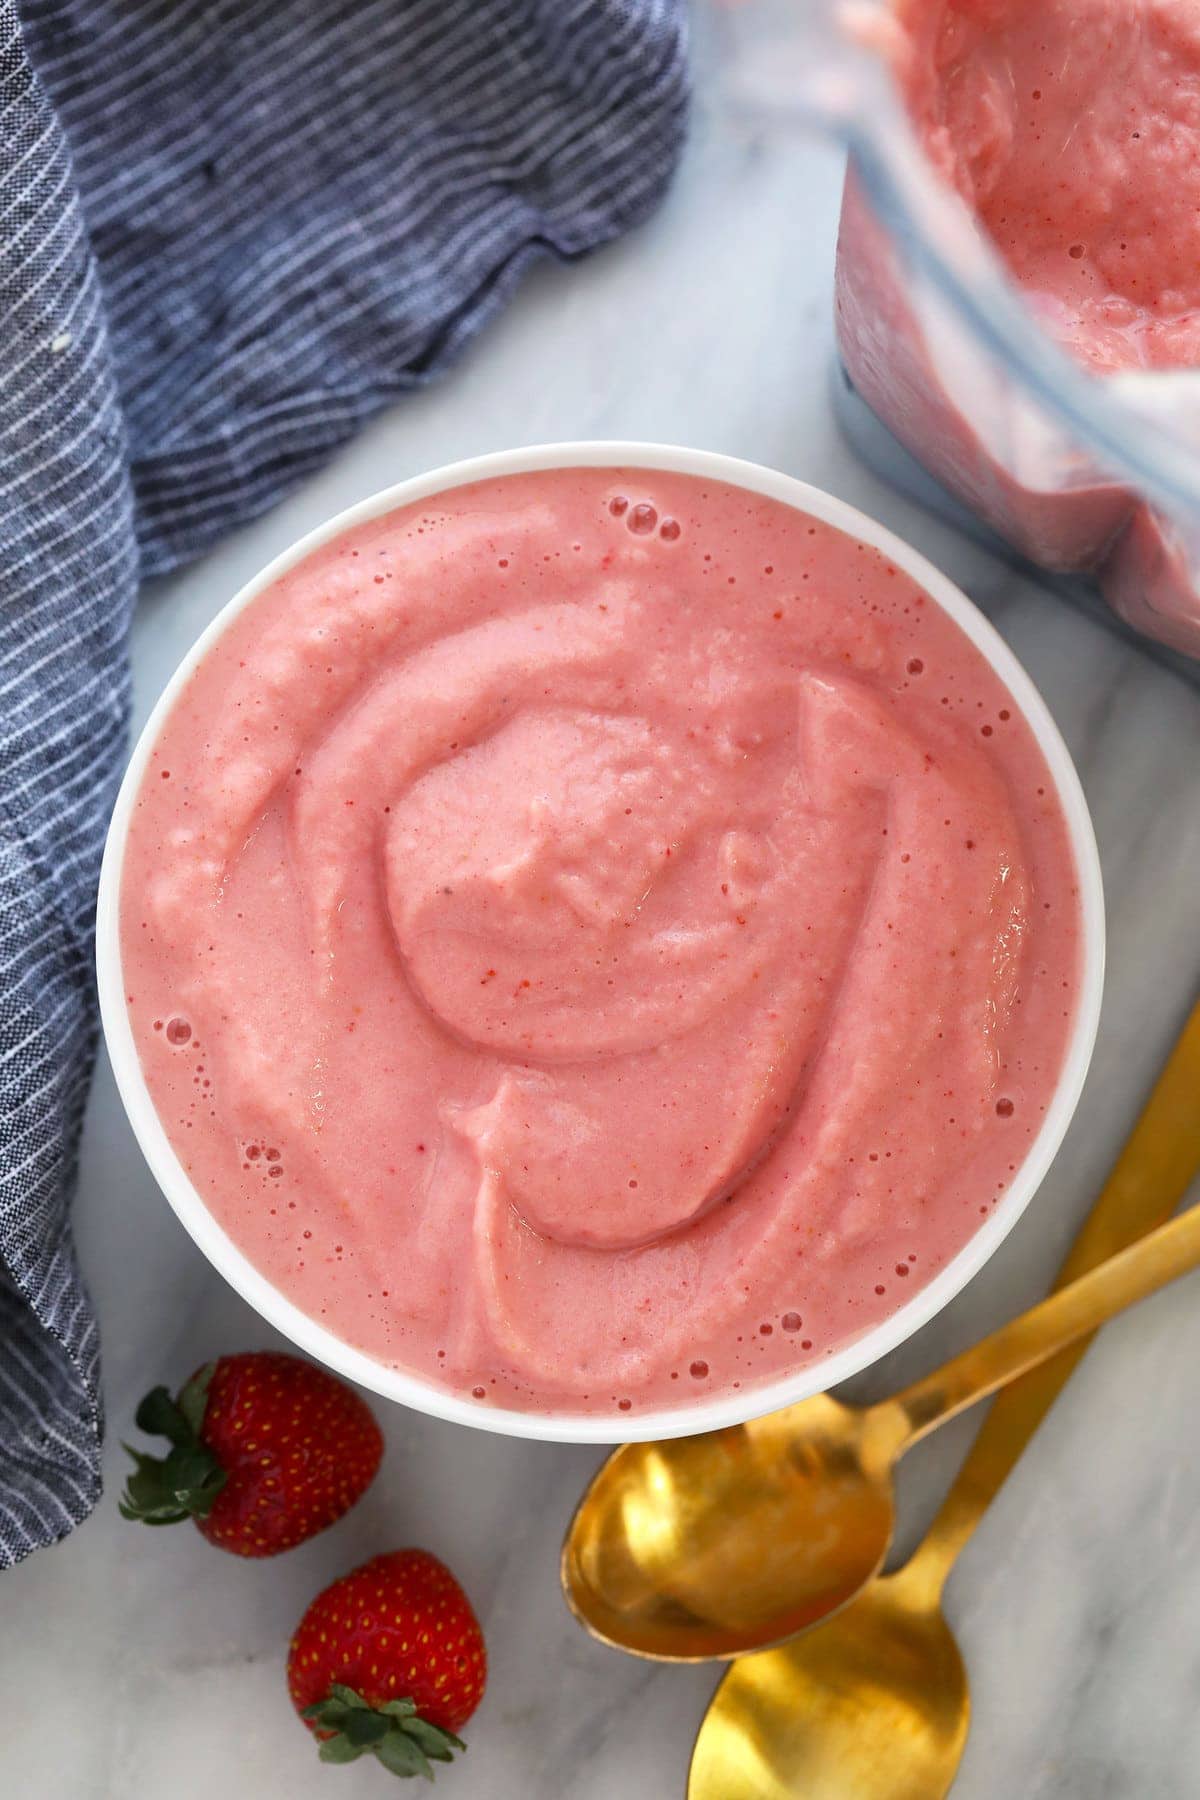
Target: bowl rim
pixel 736 1406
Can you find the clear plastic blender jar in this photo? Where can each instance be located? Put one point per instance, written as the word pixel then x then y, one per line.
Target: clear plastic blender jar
pixel 1081 473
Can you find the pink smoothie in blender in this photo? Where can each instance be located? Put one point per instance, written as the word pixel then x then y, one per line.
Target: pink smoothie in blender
pixel 1071 130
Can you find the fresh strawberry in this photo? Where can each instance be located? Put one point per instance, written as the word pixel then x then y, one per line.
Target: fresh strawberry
pixel 266 1450
pixel 390 1659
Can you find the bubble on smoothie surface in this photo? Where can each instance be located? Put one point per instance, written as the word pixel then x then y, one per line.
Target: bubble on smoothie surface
pixel 178 1031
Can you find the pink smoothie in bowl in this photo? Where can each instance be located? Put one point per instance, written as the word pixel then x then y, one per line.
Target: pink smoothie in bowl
pixel 602 942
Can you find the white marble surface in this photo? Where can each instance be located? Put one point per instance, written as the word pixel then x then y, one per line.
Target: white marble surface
pixel 138 1662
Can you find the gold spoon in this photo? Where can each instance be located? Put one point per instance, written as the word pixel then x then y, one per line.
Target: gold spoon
pixel 733 1541
pixel 874 1704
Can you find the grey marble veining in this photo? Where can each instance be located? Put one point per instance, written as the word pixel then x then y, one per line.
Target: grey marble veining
pixel 149 1662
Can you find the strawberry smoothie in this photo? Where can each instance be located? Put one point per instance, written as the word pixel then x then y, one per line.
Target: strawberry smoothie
pixel 598 938
pixel 1071 129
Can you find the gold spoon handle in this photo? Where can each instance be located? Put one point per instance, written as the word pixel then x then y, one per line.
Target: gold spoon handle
pixel 1073 1313
pixel 1151 1176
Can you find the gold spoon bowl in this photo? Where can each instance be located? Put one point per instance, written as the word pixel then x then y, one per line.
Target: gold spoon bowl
pixel 873 1706
pixel 714 1545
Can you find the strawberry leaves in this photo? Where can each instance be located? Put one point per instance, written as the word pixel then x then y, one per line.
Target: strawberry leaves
pixel 162 1490
pixel 404 1742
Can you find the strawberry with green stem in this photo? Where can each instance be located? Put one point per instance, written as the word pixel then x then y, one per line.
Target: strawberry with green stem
pixel 389 1661
pixel 265 1450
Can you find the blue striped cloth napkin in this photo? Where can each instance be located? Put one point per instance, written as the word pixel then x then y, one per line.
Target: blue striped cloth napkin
pixel 230 230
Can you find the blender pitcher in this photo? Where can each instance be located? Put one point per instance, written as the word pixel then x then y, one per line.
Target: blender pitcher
pixel 1080 473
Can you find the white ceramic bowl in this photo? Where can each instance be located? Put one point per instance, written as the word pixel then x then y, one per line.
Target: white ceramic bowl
pixel 730 1408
